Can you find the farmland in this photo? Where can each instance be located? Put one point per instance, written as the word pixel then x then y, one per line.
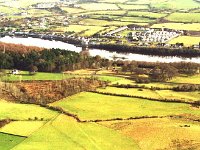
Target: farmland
pixel 148 132
pixel 24 111
pixel 187 40
pixel 64 132
pixel 106 107
pixel 24 75
pixel 83 19
pixel 179 26
pixel 184 17
pixel 55 99
pixel 92 120
pixel 9 141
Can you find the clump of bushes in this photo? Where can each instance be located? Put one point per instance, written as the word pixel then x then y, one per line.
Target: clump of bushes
pixel 187 88
pixel 142 80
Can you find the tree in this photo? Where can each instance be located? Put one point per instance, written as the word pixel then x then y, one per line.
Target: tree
pixel 32 69
pixel 163 72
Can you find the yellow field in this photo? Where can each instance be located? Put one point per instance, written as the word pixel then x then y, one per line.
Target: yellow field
pixel 22 128
pixel 99 6
pixel 195 79
pixel 179 26
pixel 88 30
pixel 164 133
pixel 24 3
pixel 187 40
pixel 97 22
pixel 133 7
pixel 72 10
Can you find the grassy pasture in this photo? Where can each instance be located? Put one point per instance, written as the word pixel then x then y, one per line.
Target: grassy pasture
pixel 186 96
pixel 124 81
pixel 136 19
pixel 72 10
pixel 153 134
pixel 109 78
pixel 179 26
pixel 7 141
pixel 22 128
pixel 184 17
pixel 24 111
pixel 146 14
pixel 96 22
pixel 99 6
pixel 158 94
pixel 64 132
pixel 174 4
pixel 187 40
pixel 104 17
pixel 144 2
pixel 159 85
pixel 24 75
pixel 87 30
pixel 8 10
pixel 113 1
pixel 38 12
pixel 131 91
pixel 96 106
pixel 195 79
pixel 105 12
pixel 24 3
pixel 133 7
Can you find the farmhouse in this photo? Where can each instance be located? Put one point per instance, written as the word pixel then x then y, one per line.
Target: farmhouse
pixel 15 71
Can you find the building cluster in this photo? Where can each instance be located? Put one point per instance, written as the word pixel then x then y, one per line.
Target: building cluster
pixel 153 35
pixel 45 5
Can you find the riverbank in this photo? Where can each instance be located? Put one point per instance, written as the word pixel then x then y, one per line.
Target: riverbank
pixel 111 54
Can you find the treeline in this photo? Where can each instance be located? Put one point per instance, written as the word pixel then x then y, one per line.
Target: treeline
pixel 19 48
pixel 52 60
pixel 187 88
pixel 157 72
pixel 156 51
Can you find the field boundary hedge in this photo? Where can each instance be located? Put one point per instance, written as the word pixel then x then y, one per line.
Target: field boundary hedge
pixel 147 98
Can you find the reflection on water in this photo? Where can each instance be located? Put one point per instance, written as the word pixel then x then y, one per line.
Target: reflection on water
pixel 94 52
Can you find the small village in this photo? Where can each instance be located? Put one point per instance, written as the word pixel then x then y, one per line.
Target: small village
pixel 45 27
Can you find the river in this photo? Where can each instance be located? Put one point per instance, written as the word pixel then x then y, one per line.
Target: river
pixel 93 52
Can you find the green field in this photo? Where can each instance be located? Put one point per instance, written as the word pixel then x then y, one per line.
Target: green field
pixel 109 78
pixel 72 10
pixel 174 4
pixel 133 7
pixel 136 19
pixel 194 79
pixel 7 141
pixel 96 22
pixel 22 128
pixel 106 107
pixel 91 121
pixel 184 17
pixel 24 111
pixel 131 91
pixel 146 14
pixel 99 6
pixel 64 132
pixel 187 40
pixel 179 26
pixel 158 94
pixel 81 30
pixel 24 75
